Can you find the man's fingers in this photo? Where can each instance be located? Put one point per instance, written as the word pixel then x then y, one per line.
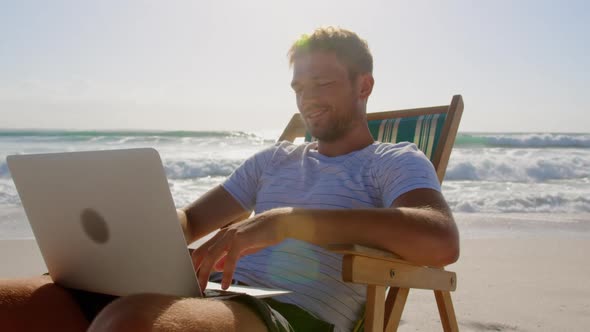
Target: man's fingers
pixel 221 253
pixel 216 251
pixel 199 253
pixel 229 266
pixel 205 269
pixel 218 267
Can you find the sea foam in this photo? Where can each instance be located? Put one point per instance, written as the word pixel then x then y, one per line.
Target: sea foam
pixel 540 140
pixel 518 165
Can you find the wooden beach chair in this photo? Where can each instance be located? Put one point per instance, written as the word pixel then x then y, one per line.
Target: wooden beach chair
pixel 433 130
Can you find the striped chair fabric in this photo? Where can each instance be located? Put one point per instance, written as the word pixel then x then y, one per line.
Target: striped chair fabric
pixel 423 130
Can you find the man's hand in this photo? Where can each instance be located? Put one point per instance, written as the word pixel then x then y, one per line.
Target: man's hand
pixel 222 251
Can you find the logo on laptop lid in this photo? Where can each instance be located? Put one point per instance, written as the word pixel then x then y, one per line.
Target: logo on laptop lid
pixel 94 226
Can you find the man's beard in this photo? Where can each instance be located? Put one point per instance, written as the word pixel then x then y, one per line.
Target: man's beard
pixel 338 128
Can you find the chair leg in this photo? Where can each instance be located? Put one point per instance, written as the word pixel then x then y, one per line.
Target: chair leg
pixel 396 300
pixel 374 313
pixel 446 311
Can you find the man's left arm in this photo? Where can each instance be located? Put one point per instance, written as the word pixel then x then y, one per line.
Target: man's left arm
pixel 418 226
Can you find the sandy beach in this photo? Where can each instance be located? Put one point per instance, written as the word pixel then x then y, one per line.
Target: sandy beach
pixel 522 283
pixel 528 284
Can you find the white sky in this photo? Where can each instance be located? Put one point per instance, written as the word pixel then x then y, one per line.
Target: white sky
pixel 521 66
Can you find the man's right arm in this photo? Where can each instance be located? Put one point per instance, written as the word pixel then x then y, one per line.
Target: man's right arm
pixel 218 208
pixel 213 210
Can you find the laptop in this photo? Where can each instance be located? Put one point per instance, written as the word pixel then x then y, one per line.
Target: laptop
pixel 105 222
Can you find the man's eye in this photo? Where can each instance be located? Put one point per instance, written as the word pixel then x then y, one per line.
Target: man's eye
pixel 324 83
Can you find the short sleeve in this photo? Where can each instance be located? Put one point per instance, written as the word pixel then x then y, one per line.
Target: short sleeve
pixel 243 183
pixel 401 168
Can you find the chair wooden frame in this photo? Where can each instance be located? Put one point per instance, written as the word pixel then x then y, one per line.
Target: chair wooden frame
pixel 379 269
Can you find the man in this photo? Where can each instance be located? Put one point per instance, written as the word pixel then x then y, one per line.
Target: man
pixel 344 188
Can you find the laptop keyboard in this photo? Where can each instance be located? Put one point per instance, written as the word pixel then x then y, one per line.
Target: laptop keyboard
pixel 218 293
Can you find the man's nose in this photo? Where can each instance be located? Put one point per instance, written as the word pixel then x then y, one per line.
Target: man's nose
pixel 308 95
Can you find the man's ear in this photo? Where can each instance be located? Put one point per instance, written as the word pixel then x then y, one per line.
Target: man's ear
pixel 366 82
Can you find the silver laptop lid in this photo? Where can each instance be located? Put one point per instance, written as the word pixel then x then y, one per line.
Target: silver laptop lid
pixel 105 221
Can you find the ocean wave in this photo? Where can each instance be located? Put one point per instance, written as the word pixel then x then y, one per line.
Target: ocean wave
pixel 531 203
pixel 8 194
pixel 131 136
pixel 540 140
pixel 191 169
pixel 180 169
pixel 517 166
pixel 188 178
pixel 463 140
pixel 119 133
pixel 4 171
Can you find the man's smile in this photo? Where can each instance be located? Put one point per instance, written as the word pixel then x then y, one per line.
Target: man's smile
pixel 315 113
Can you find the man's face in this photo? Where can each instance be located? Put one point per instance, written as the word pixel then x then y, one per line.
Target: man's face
pixel 326 97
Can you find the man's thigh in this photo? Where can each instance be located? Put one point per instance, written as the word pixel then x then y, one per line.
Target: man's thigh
pixel 35 303
pixel 168 313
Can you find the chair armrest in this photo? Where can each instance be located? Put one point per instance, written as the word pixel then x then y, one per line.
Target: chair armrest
pixel 358 250
pixel 372 266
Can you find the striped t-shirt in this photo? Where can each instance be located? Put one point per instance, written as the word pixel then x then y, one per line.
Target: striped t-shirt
pixel 288 175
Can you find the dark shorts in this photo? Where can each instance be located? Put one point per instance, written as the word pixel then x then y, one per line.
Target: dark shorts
pixel 277 316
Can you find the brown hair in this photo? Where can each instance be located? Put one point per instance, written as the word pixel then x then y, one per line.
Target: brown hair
pixel 346 45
